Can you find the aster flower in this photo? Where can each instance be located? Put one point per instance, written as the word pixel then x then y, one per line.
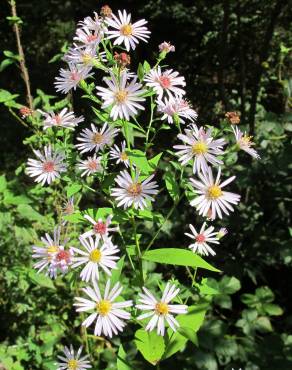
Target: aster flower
pixel 109 315
pixel 199 146
pixel 120 155
pixel 165 82
pixel 95 139
pixel 160 310
pixel 125 32
pixel 46 253
pixel 244 142
pixel 94 29
pixel 61 261
pixel 212 200
pixel 70 78
pixel 166 47
pixel 100 228
pixel 122 96
pixel 90 165
pixel 222 232
pixel 83 57
pixel 48 166
pixel 202 239
pixel 64 119
pixel 132 191
pixel 96 254
pixel 72 360
pixel 176 107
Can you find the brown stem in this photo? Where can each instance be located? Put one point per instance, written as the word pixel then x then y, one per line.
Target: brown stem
pixel 264 53
pixel 22 64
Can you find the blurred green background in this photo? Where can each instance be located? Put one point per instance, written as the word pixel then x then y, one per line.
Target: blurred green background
pixel 235 56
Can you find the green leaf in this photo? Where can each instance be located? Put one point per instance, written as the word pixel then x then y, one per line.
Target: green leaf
pixel 139 159
pixel 178 257
pixel 41 279
pixel 153 162
pixel 73 189
pixel 263 325
pixel 146 66
pixel 3 183
pixel 150 344
pixel 171 185
pixel 117 272
pixel 229 285
pixel 122 363
pixel 74 218
pixel 5 63
pixel 27 212
pixel 272 309
pixel 140 72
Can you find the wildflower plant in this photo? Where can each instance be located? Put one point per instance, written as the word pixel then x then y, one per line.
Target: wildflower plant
pixel 108 177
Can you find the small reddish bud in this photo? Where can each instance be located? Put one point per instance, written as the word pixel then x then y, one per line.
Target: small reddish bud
pixel 233 117
pixel 25 112
pixel 105 11
pixel 123 59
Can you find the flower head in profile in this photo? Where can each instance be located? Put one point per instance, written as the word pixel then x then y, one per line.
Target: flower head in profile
pixel 132 191
pixel 96 254
pixel 202 238
pixel 83 57
pixel 109 315
pixel 70 78
pixel 199 146
pixel 72 361
pixel 165 82
pixel 47 167
pixel 212 200
pixel 68 206
pixel 119 154
pixel 244 142
pixel 176 106
pixel 122 96
pixel 95 139
pixel 90 165
pixel 100 228
pixel 166 47
pixel 64 119
pixel 125 32
pixel 160 310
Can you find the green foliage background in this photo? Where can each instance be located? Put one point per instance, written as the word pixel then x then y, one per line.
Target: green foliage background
pixel 235 56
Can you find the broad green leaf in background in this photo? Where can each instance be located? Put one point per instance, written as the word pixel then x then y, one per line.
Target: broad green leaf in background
pixel 27 212
pixel 41 279
pixel 179 257
pixel 116 273
pixel 150 344
pixel 139 159
pixel 171 185
pixel 73 189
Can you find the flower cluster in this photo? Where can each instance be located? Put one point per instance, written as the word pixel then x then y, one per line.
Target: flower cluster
pixel 121 95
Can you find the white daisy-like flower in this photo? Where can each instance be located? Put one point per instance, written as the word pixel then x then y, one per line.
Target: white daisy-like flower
pixel 96 254
pixel 200 147
pixel 61 261
pixel 100 228
pixel 90 165
pixel 48 166
pixel 83 57
pixel 202 239
pixel 90 31
pixel 46 253
pixel 109 315
pixel 122 95
pixel 165 82
pixel 132 191
pixel 244 142
pixel 160 310
pixel 166 47
pixel 120 155
pixel 70 78
pixel 212 200
pixel 176 107
pixel 95 139
pixel 72 360
pixel 64 119
pixel 125 32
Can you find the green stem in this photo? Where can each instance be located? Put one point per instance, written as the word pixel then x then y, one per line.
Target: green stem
pixel 150 123
pixel 163 223
pixel 138 251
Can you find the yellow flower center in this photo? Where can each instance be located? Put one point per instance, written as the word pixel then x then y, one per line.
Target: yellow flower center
pixel 214 192
pixel 72 364
pixel 52 249
pixel 246 140
pixel 97 138
pixel 199 148
pixel 121 96
pixel 124 156
pixel 135 189
pixel 161 308
pixel 103 307
pixel 86 58
pixel 95 255
pixel 127 30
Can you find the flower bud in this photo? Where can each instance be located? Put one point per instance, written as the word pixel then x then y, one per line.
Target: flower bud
pixel 123 59
pixel 233 117
pixel 106 11
pixel 25 112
